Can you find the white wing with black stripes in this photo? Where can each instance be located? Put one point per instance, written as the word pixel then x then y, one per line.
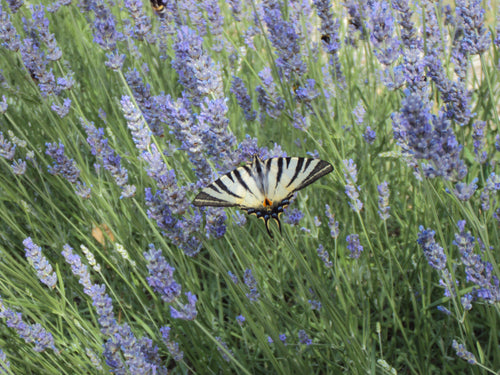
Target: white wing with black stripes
pixel 263 188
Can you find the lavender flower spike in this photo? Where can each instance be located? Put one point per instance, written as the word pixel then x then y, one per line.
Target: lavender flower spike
pixel 62 164
pixel 161 275
pixel 30 333
pixel 354 246
pixel 40 263
pixel 432 251
pixel 188 311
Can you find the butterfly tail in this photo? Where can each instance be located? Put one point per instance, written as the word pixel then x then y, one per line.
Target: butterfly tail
pixel 267 227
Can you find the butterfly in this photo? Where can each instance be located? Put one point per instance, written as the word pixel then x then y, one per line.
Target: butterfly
pixel 263 188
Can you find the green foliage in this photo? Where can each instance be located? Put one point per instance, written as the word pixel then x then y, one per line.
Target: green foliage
pixel 379 313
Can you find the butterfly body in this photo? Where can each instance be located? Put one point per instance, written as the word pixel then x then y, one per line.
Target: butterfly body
pixel 263 188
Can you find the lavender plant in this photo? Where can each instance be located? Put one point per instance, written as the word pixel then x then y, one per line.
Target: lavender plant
pixel 390 264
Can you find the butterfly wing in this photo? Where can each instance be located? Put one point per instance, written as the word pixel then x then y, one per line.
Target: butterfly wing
pixel 263 188
pixel 288 175
pixel 236 188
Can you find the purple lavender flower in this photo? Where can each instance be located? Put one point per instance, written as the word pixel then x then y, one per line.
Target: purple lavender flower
pixel 432 251
pixel 477 270
pixel 188 311
pixel 215 226
pixel 369 135
pixel 82 190
pixel 135 358
pixel 188 49
pixel 381 26
pixel 330 35
pixel 354 246
pixel 94 359
pixel 101 301
pixel 224 349
pixel 463 353
pixel 105 33
pixel 218 141
pixel 493 182
pixel 35 62
pixel 245 102
pixel 352 191
pixel 383 200
pixel 135 122
pixel 443 310
pixel 6 364
pixel 408 30
pixel 413 72
pixel 315 305
pixel 253 295
pixel 428 137
pixel 30 333
pixel 446 281
pixel 270 101
pixel 300 122
pixel 239 218
pixel 463 191
pixel 332 223
pixel 3 105
pixel 285 40
pixel 172 346
pixel 120 336
pixel 236 9
pixel 304 338
pixel 479 141
pixel 215 22
pixel 359 113
pixel 42 266
pixel 241 320
pixel 270 340
pixel 356 20
pixel 148 104
pixel 168 205
pixel 115 60
pixel 233 277
pixel 324 256
pixel 161 277
pixel 62 110
pixel 307 93
pixel 8 34
pixel 102 150
pixel 41 25
pixel 293 216
pixel 62 165
pixel 248 36
pixel 496 215
pixel 141 22
pixel 475 37
pixel 466 301
pixel 18 167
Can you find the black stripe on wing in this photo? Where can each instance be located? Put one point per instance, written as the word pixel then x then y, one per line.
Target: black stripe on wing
pixel 298 169
pixel 204 199
pixel 320 169
pixel 280 172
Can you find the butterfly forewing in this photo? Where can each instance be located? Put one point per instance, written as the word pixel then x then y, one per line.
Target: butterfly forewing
pixel 293 174
pixel 236 188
